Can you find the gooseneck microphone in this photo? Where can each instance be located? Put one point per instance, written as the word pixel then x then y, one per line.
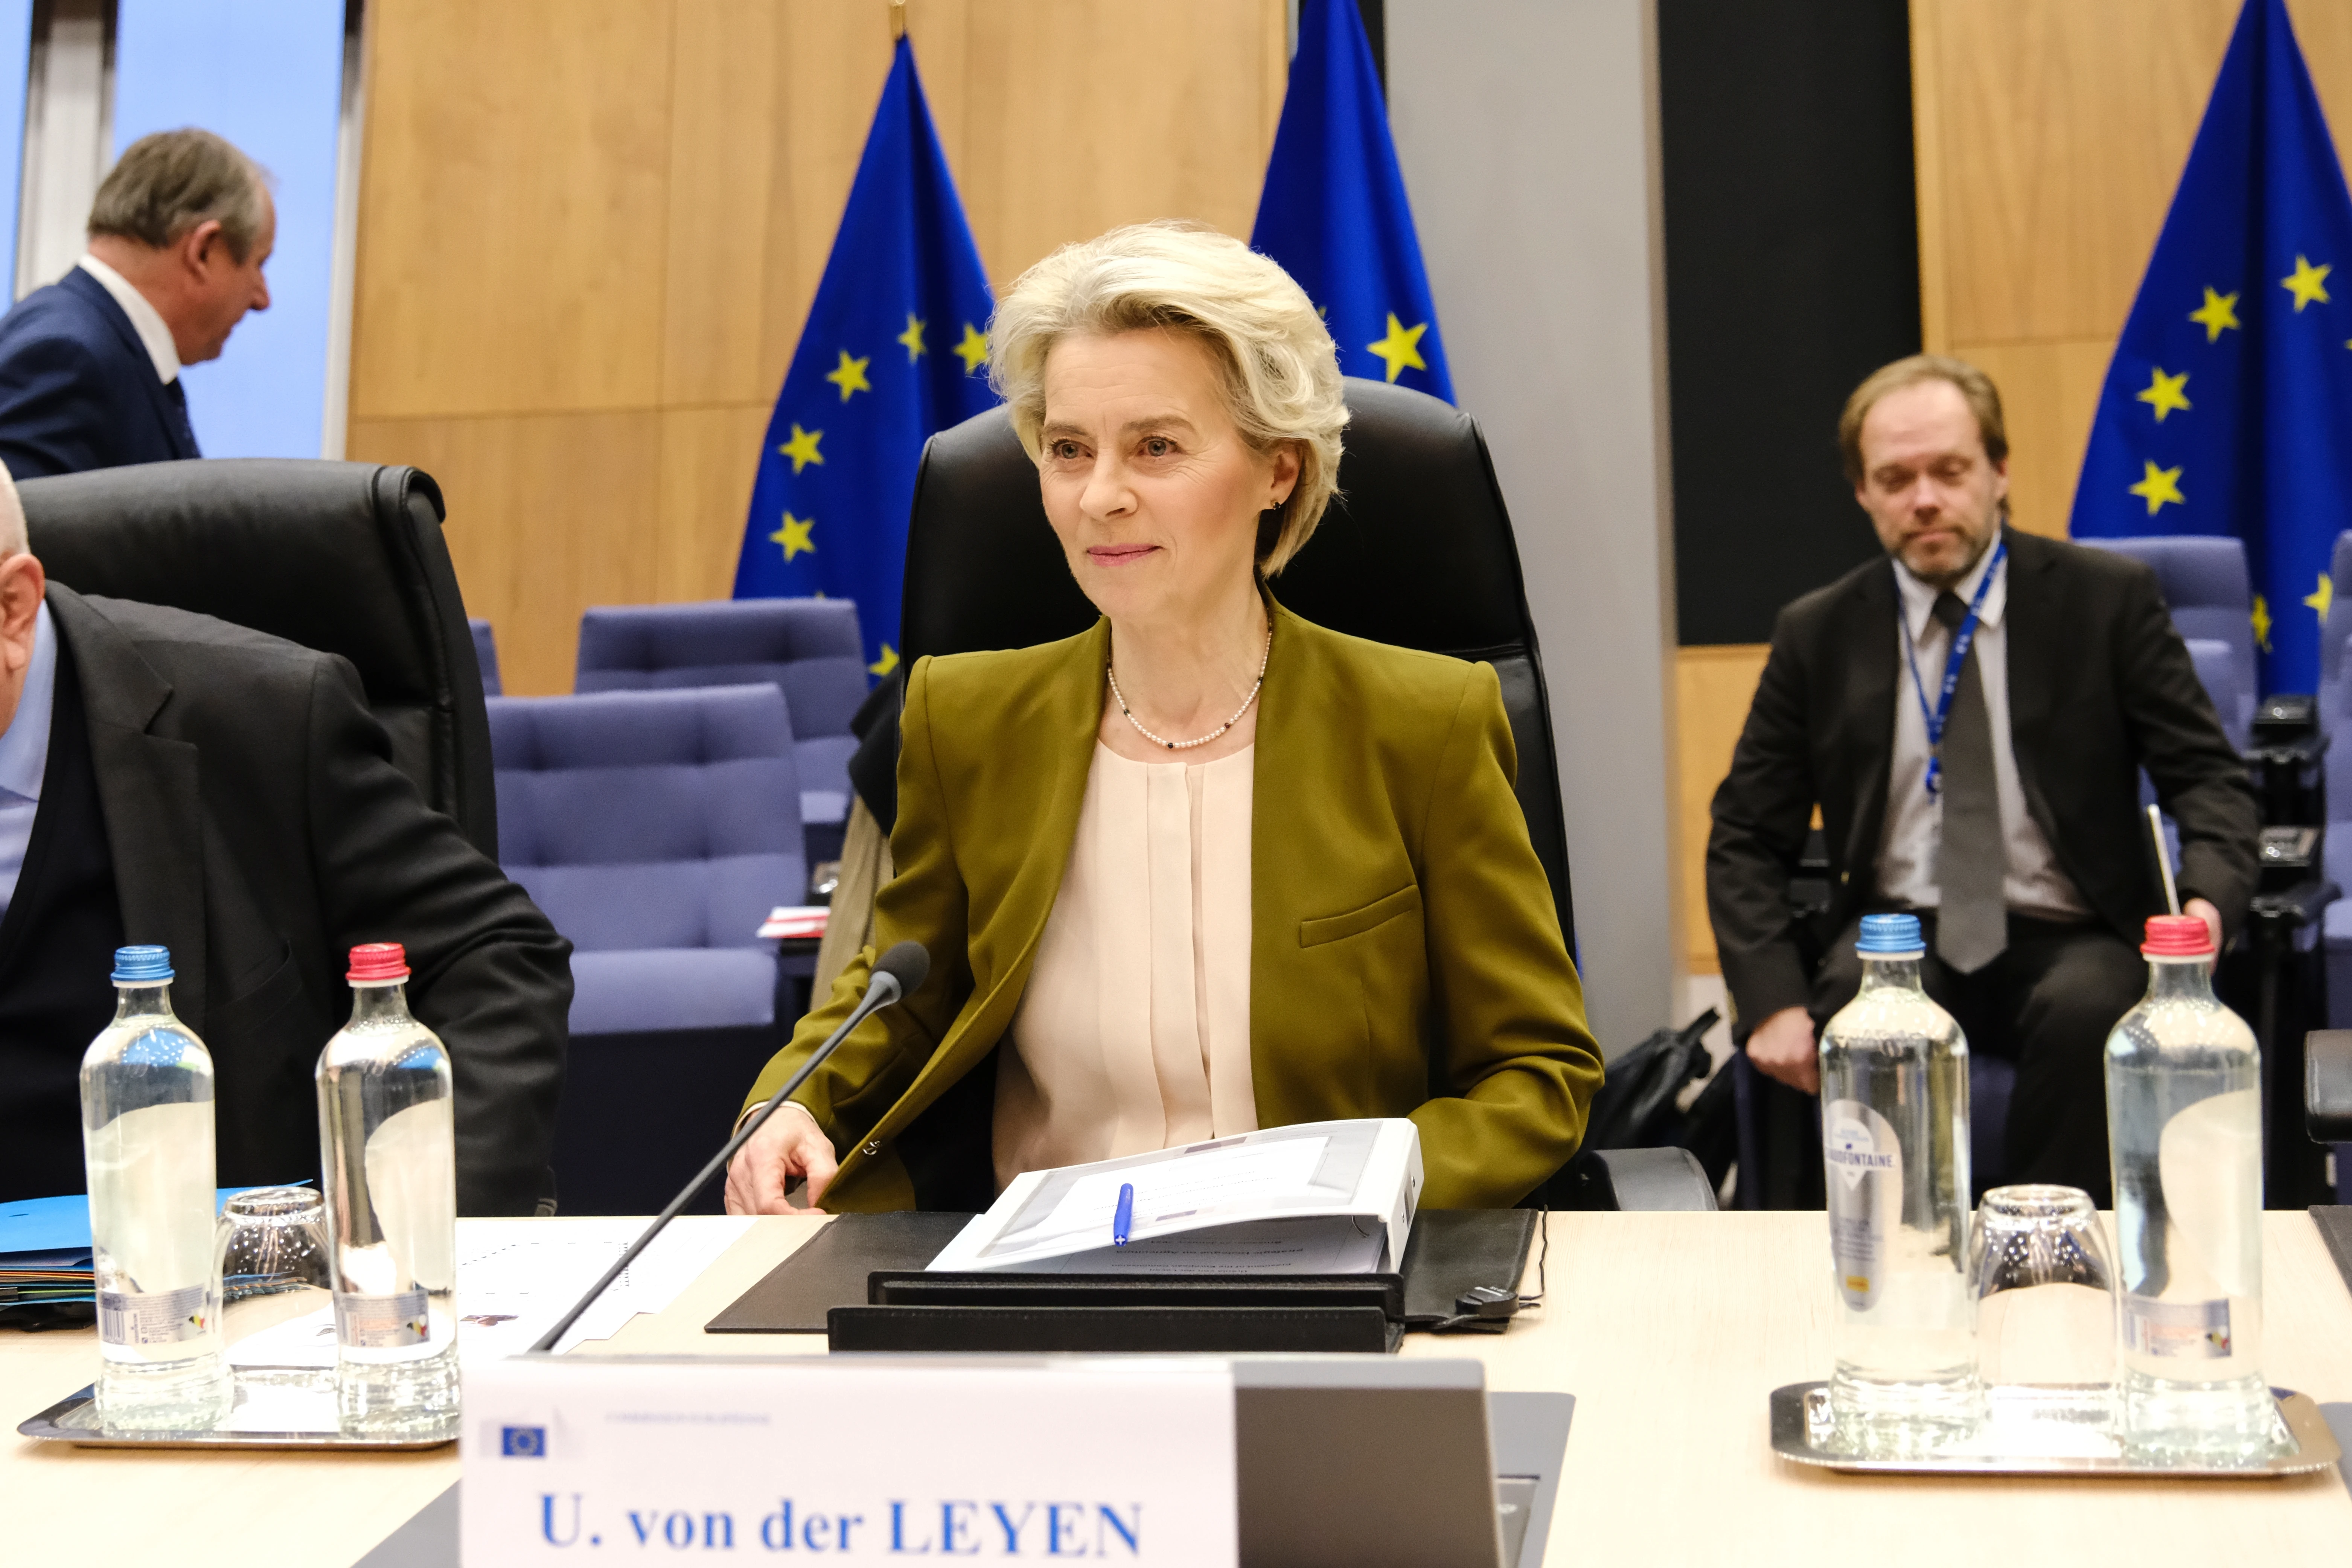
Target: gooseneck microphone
pixel 897 974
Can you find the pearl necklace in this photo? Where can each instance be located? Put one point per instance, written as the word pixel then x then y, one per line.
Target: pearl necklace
pixel 1188 745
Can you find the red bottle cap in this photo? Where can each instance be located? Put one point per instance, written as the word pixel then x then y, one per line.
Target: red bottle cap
pixel 375 963
pixel 2177 936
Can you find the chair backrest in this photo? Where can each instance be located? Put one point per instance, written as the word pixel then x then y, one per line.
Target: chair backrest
pixel 2335 632
pixel 2225 681
pixel 2206 584
pixel 486 655
pixel 651 820
pixel 347 558
pixel 2335 720
pixel 809 648
pixel 1417 551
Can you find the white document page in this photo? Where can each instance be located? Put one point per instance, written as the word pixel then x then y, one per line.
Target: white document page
pixel 1247 1176
pixel 1281 1200
pixel 516 1277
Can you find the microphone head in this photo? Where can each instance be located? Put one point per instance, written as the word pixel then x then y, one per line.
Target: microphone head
pixel 907 963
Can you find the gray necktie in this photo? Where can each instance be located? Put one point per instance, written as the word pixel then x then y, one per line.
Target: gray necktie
pixel 1972 926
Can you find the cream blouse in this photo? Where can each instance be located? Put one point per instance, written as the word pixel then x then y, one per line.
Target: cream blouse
pixel 1134 1033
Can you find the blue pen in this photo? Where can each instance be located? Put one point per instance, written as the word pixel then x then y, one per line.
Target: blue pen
pixel 1121 1222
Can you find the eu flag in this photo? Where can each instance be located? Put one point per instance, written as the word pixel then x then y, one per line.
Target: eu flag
pixel 1334 213
pixel 2228 408
pixel 894 348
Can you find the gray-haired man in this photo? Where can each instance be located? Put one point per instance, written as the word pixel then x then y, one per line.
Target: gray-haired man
pixel 89 365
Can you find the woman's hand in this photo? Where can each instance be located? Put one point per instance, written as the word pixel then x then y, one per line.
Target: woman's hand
pixel 789 1144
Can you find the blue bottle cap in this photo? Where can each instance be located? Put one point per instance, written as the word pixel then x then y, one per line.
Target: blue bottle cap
pixel 1890 936
pixel 141 965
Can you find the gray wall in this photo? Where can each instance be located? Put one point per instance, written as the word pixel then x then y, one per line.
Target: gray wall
pixel 1527 132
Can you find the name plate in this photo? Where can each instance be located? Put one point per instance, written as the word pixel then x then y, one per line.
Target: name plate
pixel 614 1459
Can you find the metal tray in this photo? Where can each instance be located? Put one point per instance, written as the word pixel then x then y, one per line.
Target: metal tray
pixel 2020 1438
pixel 274 1407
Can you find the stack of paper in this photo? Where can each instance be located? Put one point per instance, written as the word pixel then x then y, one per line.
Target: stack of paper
pixel 1317 1197
pixel 801 921
pixel 45 1252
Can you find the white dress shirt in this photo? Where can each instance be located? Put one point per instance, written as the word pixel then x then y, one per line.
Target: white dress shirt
pixel 2032 883
pixel 25 755
pixel 145 319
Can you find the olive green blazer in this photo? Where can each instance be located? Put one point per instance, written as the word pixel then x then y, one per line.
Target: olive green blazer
pixel 1405 955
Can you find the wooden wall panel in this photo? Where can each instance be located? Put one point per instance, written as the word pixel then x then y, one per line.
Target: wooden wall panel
pixel 548 513
pixel 2051 135
pixel 623 207
pixel 1713 687
pixel 511 207
pixel 706 476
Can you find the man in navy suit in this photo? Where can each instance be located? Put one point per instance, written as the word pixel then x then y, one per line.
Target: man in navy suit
pixel 89 365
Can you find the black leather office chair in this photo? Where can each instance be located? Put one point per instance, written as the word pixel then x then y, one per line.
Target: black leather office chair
pixel 347 558
pixel 1417 551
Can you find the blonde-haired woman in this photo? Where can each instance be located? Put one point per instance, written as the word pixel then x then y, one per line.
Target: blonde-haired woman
pixel 1205 868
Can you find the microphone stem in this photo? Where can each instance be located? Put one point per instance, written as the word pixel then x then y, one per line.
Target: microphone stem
pixel 878 996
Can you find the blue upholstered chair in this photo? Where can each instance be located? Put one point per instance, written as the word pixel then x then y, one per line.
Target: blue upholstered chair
pixel 656 829
pixel 485 654
pixel 2228 682
pixel 809 648
pixel 2207 586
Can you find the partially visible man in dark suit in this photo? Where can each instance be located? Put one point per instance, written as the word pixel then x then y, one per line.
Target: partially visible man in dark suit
pixel 166 777
pixel 89 365
pixel 2023 848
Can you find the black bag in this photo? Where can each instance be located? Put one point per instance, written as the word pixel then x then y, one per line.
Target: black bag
pixel 1636 1108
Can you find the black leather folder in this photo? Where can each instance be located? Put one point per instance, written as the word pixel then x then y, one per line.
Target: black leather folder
pixel 861 1282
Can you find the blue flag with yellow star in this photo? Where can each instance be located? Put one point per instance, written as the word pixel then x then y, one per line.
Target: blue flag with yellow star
pixel 2228 407
pixel 894 348
pixel 1334 213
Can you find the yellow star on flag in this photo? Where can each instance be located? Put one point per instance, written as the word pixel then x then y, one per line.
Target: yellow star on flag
pixel 912 337
pixel 2158 486
pixel 850 375
pixel 794 535
pixel 2164 393
pixel 1401 348
pixel 886 663
pixel 2306 283
pixel 2321 598
pixel 2261 620
pixel 973 349
pixel 2220 312
pixel 801 448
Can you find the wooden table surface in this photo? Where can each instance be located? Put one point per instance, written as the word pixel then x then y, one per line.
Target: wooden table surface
pixel 1670 1329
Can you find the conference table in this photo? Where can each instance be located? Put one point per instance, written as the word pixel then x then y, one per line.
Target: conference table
pixel 1670 1329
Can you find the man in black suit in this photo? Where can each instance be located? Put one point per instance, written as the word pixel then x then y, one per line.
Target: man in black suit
pixel 169 778
pixel 2017 834
pixel 89 365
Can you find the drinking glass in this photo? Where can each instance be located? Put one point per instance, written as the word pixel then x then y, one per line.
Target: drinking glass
pixel 2046 1302
pixel 272 1239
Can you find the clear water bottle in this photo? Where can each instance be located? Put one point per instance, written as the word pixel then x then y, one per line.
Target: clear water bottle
pixel 387 1137
pixel 147 1139
pixel 1895 1140
pixel 2185 1133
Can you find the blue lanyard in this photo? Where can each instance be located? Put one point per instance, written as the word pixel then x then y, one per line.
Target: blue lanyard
pixel 1962 640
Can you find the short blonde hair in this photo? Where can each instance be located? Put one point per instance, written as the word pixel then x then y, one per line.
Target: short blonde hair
pixel 1280 369
pixel 1974 387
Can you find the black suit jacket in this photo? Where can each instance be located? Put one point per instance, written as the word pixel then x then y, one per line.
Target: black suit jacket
pixel 259 830
pixel 2100 686
pixel 77 388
